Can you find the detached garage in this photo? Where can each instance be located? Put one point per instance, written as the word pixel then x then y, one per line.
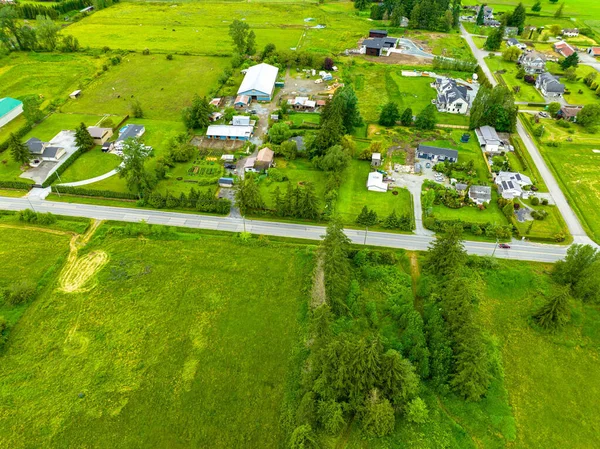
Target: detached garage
pixel 259 82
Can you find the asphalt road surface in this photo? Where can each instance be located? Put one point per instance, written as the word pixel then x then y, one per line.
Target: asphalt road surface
pixel 518 250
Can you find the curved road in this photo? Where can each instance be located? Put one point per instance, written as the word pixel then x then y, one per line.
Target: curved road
pixel 519 250
pixel 571 219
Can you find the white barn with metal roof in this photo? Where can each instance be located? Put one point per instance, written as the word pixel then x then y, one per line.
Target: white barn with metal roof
pixel 259 82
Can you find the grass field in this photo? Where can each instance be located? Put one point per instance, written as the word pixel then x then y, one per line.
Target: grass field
pixel 56 123
pixel 442 44
pixel 577 168
pixel 353 195
pixel 202 27
pixel 165 351
pixel 162 87
pixel 472 214
pixel 548 377
pixel 552 225
pixel 579 93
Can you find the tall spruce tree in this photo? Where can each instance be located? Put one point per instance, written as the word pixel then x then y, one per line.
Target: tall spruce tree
pixel 556 312
pixel 447 253
pixel 83 139
pixel 336 265
pixel 18 150
pixel 247 195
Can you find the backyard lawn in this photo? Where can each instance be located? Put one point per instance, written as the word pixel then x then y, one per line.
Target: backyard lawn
pixel 89 165
pixel 552 225
pixel 472 214
pixel 57 122
pixel 162 87
pixel 164 350
pixel 353 195
pixel 579 93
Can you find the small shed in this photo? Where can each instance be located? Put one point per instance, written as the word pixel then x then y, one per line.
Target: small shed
pixel 275 117
pixel 216 102
pixel 378 33
pixel 75 94
pixel 228 158
pixel 242 101
pixel 249 165
pixel 226 182
pixel 461 187
pixel 376 159
pixel 375 182
pixel 241 120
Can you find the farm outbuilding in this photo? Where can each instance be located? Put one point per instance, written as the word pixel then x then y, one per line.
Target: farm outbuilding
pixel 100 135
pixel 229 132
pixel 264 159
pixel 259 82
pixel 9 110
pixel 375 182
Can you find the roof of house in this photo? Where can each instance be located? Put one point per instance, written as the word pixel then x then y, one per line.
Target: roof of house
pixel 486 135
pixel 215 102
pixel 373 43
pixel 260 78
pixel 571 30
pixel 302 101
pixel 229 131
pixel 595 51
pixel 480 192
pixel 265 155
pixel 570 111
pixel 376 156
pixel 35 145
pixel 460 186
pixel 532 56
pixel 378 32
pixel 512 41
pixel 505 176
pixel 131 131
pixel 7 104
pixel 564 48
pixel 437 151
pixel 551 83
pixel 449 91
pixel 51 151
pixel 249 162
pixel 96 132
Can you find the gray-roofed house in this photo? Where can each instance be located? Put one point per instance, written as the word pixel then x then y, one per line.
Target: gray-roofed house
pixel 549 86
pixel 452 97
pixel 131 132
pixel 512 42
pixel 375 46
pixel 532 62
pixel 437 154
pixel 299 140
pixel 488 139
pixel 480 194
pixel 43 151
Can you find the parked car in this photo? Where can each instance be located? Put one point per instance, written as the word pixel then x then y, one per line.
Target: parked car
pixel 504 246
pixel 230 166
pixel 534 188
pixel 544 114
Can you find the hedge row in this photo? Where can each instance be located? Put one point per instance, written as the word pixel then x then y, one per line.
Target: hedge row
pixel 96 193
pixel 66 164
pixel 15 185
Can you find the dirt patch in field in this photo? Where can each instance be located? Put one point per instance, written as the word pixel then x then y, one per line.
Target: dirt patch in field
pixel 399 58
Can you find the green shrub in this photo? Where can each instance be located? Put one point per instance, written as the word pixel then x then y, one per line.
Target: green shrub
pixel 535 201
pixel 19 293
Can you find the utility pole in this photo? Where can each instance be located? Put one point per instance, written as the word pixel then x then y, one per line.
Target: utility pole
pixel 366 231
pixel 495 246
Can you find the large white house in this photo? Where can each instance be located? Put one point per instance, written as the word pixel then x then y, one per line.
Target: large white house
pixel 533 62
pixel 259 82
pixel 452 97
pixel 9 110
pixel 510 185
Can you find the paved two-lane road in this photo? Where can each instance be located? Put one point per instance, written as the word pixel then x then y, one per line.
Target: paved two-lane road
pixel 519 250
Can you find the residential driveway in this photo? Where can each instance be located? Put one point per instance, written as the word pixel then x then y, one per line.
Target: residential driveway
pixel 408 47
pixel 64 139
pixel 414 183
pixel 263 110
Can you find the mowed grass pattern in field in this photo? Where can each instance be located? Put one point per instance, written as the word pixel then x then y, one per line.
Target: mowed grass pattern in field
pixel 181 344
pixel 162 87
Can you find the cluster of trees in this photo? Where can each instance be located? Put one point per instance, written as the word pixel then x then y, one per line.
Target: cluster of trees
pixel 425 120
pixel 392 221
pixel 200 201
pixel 454 64
pixel 244 39
pixel 439 15
pixel 15 35
pixel 456 292
pixel 494 107
pixel 196 116
pixel 297 202
pixel 29 216
pixel 491 230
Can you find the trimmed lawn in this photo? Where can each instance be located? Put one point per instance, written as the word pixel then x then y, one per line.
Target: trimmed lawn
pixel 527 93
pixel 353 195
pixel 299 118
pixel 56 123
pixel 587 95
pixel 89 165
pixel 472 214
pixel 552 225
pixel 164 351
pixel 10 170
pixel 162 87
pixel 297 171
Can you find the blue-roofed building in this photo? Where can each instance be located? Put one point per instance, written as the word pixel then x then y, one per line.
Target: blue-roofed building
pixel 9 110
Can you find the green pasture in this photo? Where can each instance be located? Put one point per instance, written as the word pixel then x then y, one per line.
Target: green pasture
pixel 162 87
pixel 527 91
pixel 165 350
